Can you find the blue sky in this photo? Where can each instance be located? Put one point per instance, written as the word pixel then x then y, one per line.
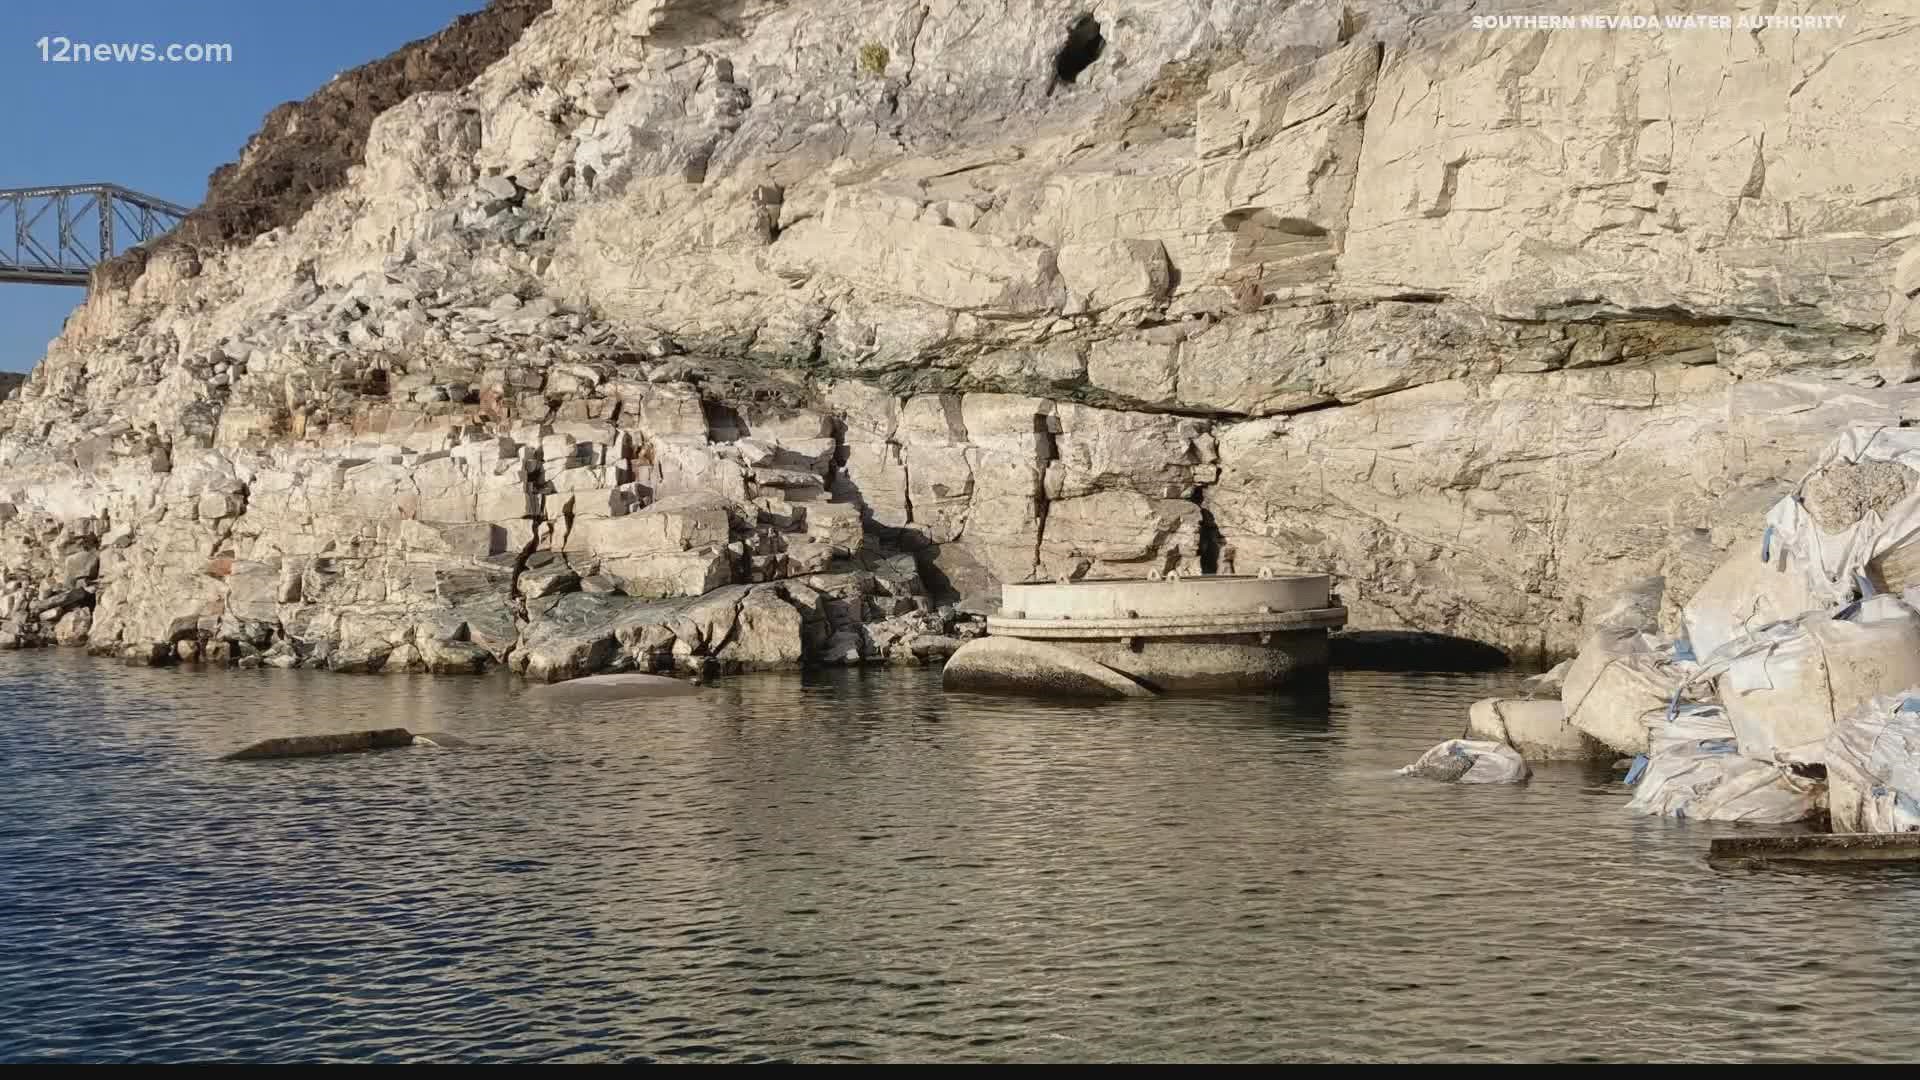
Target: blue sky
pixel 161 128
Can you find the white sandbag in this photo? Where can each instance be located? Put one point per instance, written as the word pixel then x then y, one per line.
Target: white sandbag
pixel 1616 681
pixel 1873 766
pixel 1688 724
pixel 1746 593
pixel 1785 691
pixel 1469 761
pixel 1536 729
pixel 1709 781
pixel 1854 516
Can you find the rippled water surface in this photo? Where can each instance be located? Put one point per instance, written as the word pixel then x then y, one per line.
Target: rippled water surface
pixel 860 867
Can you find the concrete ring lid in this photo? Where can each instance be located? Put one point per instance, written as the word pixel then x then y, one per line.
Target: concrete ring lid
pixel 1160 596
pixel 1169 626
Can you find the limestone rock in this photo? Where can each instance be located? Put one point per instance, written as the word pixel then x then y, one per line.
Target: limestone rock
pixel 1488 324
pixel 72 627
pixel 1105 274
pixel 766 632
pixel 454 657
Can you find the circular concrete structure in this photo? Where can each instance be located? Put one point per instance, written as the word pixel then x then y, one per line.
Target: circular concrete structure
pixel 1202 632
pixel 1136 598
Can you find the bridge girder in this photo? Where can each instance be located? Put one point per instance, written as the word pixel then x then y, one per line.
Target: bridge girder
pixel 46 237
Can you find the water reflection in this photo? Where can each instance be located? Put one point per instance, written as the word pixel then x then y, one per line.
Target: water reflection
pixel 853 865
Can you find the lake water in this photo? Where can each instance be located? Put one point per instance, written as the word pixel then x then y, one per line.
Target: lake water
pixel 856 866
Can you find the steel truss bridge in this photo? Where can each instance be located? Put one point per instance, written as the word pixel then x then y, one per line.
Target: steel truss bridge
pixel 56 235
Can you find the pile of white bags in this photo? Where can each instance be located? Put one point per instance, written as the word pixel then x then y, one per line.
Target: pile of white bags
pixel 1694 769
pixel 1864 486
pixel 1873 766
pixel 1617 681
pixel 1797 688
pixel 1785 686
pixel 1687 725
pixel 1757 586
pixel 1470 761
pixel 1807 676
pixel 1709 781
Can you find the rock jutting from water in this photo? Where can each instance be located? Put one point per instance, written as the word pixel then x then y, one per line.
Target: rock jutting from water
pixel 627 335
pixel 345 742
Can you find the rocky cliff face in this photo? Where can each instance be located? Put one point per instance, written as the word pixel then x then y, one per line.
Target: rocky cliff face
pixel 752 330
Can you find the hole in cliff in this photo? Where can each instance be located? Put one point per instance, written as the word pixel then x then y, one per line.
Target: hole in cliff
pixel 724 422
pixel 1240 220
pixel 1083 47
pixel 1210 540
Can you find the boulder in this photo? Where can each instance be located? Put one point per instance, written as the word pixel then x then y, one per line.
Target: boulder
pixel 1538 730
pixel 73 627
pixel 766 634
pixel 454 657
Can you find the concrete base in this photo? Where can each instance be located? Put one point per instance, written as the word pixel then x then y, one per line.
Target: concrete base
pixel 1178 633
pixel 1223 662
pixel 1854 848
pixel 1036 668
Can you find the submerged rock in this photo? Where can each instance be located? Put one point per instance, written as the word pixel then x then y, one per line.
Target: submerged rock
pixel 616 688
pixel 346 742
pixel 440 739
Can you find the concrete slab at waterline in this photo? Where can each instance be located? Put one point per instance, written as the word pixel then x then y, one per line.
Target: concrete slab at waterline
pixel 1832 849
